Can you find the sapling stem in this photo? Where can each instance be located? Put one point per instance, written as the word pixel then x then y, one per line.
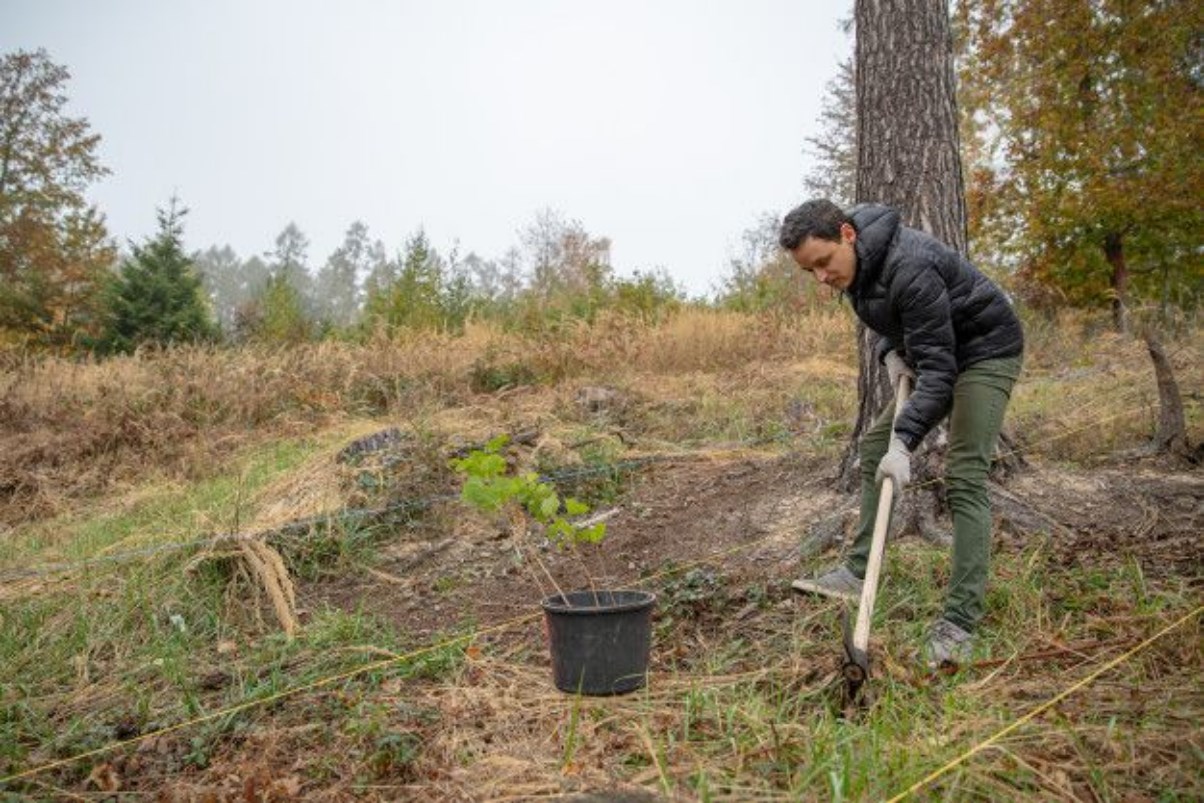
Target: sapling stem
pixel 552 579
pixel 518 528
pixel 518 531
pixel 597 518
pixel 589 576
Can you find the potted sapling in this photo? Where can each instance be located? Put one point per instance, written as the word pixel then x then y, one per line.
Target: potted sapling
pixel 599 638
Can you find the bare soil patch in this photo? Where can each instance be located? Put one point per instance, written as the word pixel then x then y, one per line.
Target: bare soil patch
pixel 737 521
pixel 718 537
pixel 746 515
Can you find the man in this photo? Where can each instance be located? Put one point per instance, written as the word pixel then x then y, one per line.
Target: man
pixel 950 328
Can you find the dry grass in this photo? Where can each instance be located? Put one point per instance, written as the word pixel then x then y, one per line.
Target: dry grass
pixel 88 439
pixel 73 429
pixel 738 707
pixel 762 723
pixel 85 438
pixel 1086 394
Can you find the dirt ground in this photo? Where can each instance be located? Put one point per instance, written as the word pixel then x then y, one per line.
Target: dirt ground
pixel 740 516
pixel 746 515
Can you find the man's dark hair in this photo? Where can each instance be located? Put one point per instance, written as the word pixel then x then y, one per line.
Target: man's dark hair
pixel 819 218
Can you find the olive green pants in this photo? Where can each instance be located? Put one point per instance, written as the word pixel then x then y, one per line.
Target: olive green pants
pixel 980 397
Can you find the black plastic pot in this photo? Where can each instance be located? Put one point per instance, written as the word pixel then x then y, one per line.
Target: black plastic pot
pixel 599 643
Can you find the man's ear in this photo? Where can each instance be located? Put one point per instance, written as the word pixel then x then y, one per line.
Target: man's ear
pixel 847 233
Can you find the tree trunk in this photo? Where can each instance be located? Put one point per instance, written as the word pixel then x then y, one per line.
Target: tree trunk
pixel 1172 427
pixel 907 156
pixel 873 394
pixel 1114 251
pixel 907 143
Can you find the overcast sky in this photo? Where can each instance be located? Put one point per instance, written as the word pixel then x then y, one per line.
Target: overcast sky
pixel 665 125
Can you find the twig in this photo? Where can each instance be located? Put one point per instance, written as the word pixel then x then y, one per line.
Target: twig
pixel 1043 655
pixel 589 576
pixel 518 530
pixel 646 738
pixel 548 574
pixel 598 518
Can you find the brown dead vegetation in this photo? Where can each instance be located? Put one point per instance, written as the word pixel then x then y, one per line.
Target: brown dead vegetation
pixel 70 430
pixel 731 425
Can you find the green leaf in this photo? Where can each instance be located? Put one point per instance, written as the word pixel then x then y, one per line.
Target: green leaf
pixel 560 532
pixel 486 487
pixel 482 495
pixel 594 534
pixel 549 506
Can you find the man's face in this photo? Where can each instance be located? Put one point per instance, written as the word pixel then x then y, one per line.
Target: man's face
pixel 832 263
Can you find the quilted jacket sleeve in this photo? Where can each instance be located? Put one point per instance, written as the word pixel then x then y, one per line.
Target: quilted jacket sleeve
pixel 922 299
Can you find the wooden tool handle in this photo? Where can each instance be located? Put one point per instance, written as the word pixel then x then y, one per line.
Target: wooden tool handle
pixel 869 588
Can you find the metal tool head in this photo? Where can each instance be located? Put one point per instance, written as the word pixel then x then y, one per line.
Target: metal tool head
pixel 856 668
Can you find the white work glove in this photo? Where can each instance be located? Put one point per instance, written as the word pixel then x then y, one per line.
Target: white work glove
pixel 895 368
pixel 896 464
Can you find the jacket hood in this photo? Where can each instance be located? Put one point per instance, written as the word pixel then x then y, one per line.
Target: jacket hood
pixel 876 226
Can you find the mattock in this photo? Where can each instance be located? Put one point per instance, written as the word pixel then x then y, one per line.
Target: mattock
pixel 857 640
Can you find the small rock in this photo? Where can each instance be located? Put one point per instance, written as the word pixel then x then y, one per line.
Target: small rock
pixel 598 399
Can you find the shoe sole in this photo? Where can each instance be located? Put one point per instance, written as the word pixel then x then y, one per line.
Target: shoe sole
pixel 808 587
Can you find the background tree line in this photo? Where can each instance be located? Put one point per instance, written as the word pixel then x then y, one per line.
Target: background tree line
pixel 1080 126
pixel 558 272
pixel 65 285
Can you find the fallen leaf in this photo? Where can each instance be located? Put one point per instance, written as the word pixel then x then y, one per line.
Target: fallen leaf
pixel 285 788
pixel 105 778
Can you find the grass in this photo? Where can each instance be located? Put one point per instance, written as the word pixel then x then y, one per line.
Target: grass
pixel 125 647
pixel 159 514
pixel 743 698
pixel 752 713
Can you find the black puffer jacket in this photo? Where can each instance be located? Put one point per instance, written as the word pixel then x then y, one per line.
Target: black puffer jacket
pixel 930 304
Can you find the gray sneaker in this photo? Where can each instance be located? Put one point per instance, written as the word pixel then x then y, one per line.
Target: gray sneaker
pixel 839 583
pixel 947 644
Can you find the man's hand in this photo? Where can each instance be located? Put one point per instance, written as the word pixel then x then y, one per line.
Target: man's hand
pixel 896 464
pixel 895 368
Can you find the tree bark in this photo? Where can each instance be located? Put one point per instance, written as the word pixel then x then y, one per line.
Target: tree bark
pixel 907 156
pixel 1172 427
pixel 873 394
pixel 1114 251
pixel 907 142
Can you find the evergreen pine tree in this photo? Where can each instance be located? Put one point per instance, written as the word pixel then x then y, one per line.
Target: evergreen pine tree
pixel 414 299
pixel 157 296
pixel 282 314
pixel 337 289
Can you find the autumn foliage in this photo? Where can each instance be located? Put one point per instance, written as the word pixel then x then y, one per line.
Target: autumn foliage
pixel 1086 122
pixel 54 249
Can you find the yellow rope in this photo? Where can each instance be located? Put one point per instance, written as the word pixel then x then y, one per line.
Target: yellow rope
pixel 519 620
pixel 918 785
